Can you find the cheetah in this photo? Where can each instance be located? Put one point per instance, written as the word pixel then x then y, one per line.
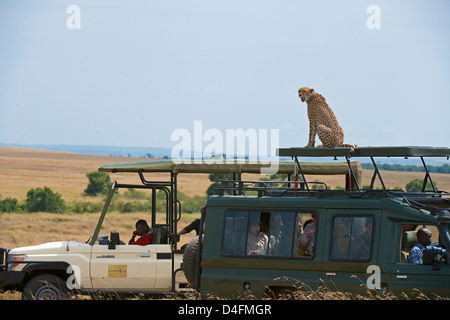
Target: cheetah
pixel 322 121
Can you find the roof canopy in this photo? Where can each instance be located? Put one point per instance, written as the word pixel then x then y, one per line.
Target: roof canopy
pixel 319 168
pixel 366 152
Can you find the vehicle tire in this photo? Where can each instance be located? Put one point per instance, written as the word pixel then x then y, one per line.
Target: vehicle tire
pixel 46 287
pixel 189 260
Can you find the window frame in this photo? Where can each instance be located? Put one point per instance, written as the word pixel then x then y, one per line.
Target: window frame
pixel 249 211
pixel 433 227
pixel 332 232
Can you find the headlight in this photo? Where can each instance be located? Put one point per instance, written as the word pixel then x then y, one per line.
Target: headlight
pixel 12 258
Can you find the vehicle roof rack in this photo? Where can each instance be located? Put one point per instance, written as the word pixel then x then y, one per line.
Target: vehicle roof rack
pixel 370 152
pixel 352 170
pixel 411 151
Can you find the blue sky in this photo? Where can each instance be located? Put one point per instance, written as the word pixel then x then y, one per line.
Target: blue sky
pixel 138 70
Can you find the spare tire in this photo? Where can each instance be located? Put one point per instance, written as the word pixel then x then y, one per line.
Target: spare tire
pixel 190 259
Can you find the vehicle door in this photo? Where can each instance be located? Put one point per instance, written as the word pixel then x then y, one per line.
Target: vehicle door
pixel 410 279
pixel 123 267
pixel 351 237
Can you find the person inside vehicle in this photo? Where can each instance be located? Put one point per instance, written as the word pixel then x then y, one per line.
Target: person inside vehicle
pixel 363 242
pixel 308 237
pixel 194 225
pixel 276 234
pixel 256 240
pixel 424 239
pixel 143 231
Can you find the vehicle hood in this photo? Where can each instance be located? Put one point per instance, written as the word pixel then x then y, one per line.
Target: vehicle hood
pixel 50 247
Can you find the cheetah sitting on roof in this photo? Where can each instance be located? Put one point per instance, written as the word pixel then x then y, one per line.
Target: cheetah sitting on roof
pixel 322 121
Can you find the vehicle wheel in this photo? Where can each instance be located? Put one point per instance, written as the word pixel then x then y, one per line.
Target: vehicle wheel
pixel 189 260
pixel 46 287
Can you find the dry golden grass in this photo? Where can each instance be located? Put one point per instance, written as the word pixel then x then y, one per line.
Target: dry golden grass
pixel 22 169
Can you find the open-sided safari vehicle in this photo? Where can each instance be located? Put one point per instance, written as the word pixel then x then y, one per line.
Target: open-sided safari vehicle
pixel 260 237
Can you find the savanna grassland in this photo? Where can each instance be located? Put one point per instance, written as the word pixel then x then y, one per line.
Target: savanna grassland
pixel 65 173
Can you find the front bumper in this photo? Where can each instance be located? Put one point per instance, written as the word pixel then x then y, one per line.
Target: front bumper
pixel 3 259
pixel 10 280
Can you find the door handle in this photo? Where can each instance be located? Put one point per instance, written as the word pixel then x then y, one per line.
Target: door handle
pixel 330 274
pixel 145 255
pixel 106 256
pixel 401 276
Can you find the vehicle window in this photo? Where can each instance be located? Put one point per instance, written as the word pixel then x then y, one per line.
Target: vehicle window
pixel 352 238
pixel 306 222
pixel 409 240
pixel 269 233
pixel 281 234
pixel 257 239
pixel 235 233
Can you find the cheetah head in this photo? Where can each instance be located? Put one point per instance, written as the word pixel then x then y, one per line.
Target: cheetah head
pixel 305 93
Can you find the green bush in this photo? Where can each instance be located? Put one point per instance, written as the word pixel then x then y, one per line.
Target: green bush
pixel 9 205
pixel 417 184
pixel 135 194
pixel 218 176
pixel 132 206
pixel 44 200
pixel 99 183
pixel 85 207
pixel 192 204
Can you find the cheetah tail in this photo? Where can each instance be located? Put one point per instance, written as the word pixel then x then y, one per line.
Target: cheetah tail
pixel 352 149
pixel 349 146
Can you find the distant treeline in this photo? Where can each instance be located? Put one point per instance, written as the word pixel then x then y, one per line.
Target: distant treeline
pixel 399 167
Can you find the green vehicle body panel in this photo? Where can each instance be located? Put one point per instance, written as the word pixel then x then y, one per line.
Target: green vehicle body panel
pixel 234 277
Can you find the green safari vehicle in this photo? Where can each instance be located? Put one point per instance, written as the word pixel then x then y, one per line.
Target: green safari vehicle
pixel 297 236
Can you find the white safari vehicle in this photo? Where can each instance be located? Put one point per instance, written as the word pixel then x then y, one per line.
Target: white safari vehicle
pixel 104 264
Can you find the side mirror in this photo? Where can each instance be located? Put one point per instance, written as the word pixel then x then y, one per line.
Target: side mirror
pixel 115 240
